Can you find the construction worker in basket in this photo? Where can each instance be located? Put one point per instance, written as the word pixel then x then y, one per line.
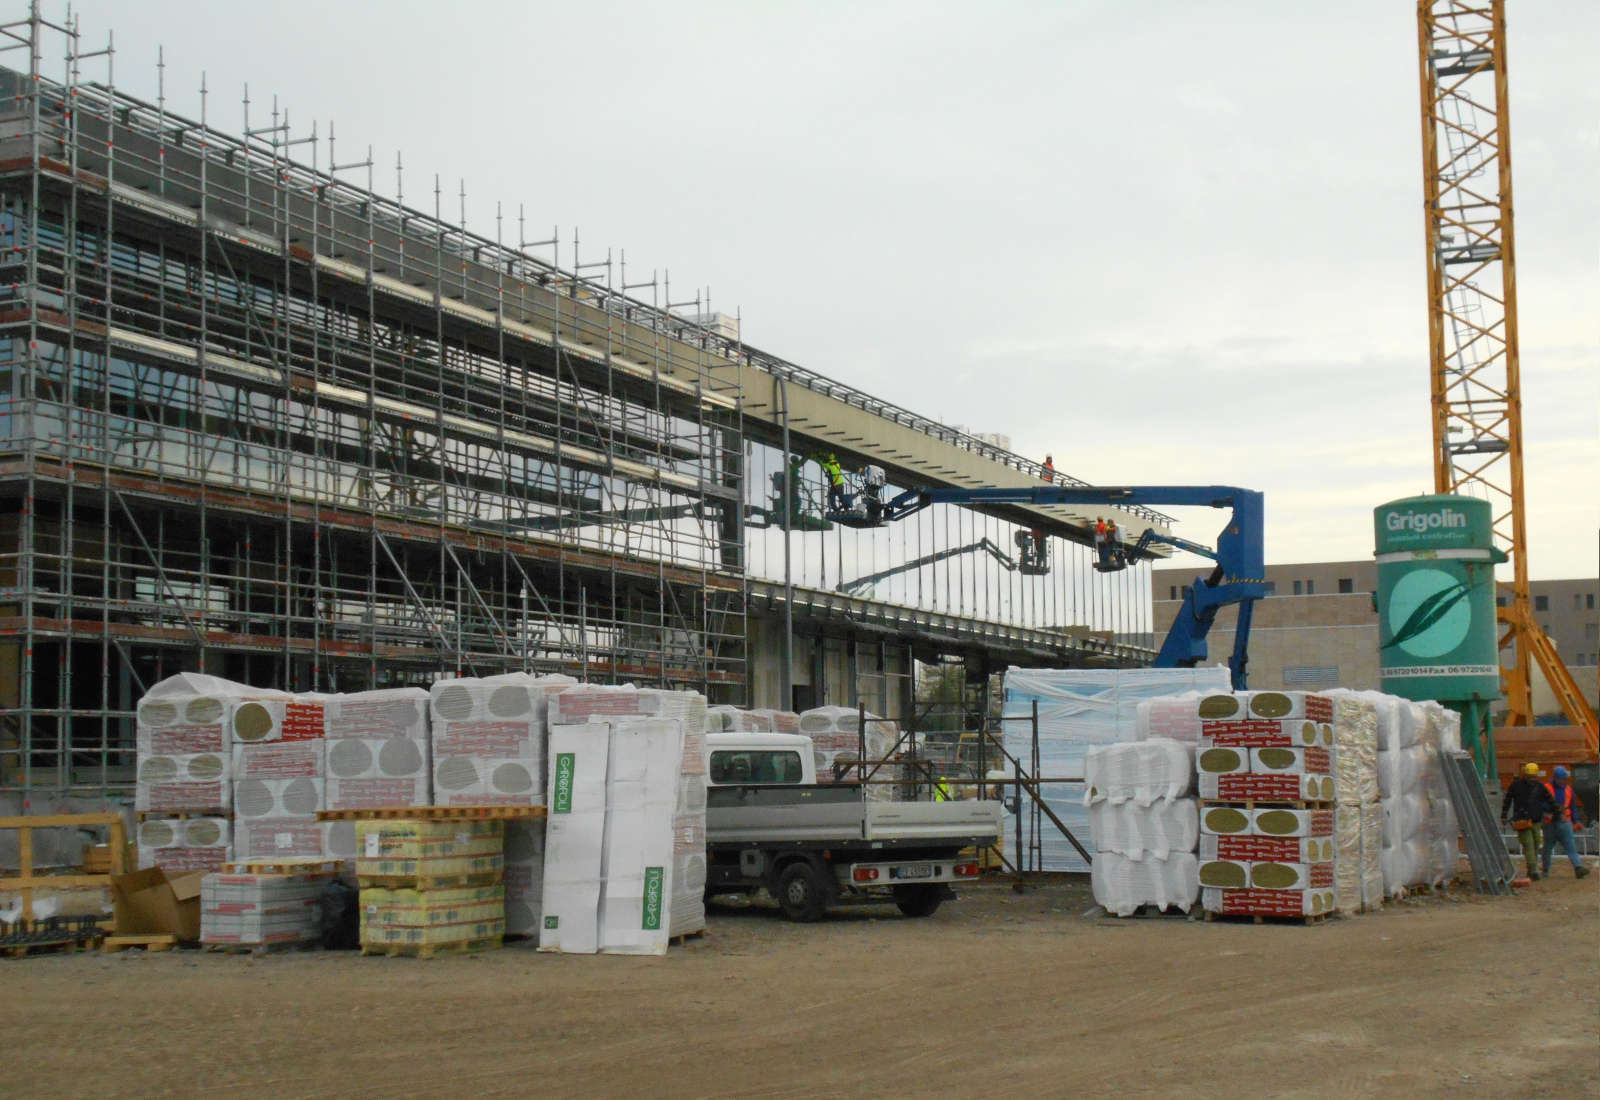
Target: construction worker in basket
pixel 1049 468
pixel 1099 531
pixel 835 475
pixel 1526 803
pixel 1564 811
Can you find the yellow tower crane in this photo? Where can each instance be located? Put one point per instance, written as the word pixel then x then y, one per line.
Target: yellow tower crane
pixel 1472 317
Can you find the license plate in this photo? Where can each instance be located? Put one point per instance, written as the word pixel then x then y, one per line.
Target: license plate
pixel 913 870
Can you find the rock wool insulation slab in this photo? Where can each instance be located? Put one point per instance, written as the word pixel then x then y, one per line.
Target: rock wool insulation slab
pixel 646 759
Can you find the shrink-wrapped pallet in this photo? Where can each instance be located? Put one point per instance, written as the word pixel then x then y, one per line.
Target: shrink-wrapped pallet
pixel 1140 771
pixel 185 844
pixel 1122 885
pixel 837 744
pixel 1348 859
pixel 1136 832
pixel 596 702
pixel 642 781
pixel 1174 717
pixel 781 721
pixel 421 850
pixel 488 738
pixel 687 906
pixel 414 918
pixel 378 751
pixel 188 713
pixel 575 833
pixel 1078 709
pixel 259 910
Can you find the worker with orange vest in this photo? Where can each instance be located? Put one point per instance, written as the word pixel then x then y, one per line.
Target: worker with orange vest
pixel 1563 811
pixel 1049 471
pixel 1525 805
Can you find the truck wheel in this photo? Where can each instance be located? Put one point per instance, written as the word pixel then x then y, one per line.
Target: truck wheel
pixel 802 895
pixel 918 901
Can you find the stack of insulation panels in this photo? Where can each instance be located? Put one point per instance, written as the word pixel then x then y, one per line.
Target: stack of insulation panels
pixel 1269 861
pixel 1078 709
pixel 278 760
pixel 1142 825
pixel 625 865
pixel 430 886
pixel 1421 839
pixel 377 755
pixel 1358 815
pixel 737 720
pixel 1265 761
pixel 183 775
pixel 835 734
pixel 488 738
pixel 239 909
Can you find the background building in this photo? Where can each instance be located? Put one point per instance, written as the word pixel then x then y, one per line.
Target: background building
pixel 1319 626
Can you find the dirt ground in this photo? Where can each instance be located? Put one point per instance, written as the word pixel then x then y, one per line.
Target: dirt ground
pixel 996 992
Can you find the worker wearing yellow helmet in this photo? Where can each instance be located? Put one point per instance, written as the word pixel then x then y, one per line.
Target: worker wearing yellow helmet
pixel 1526 803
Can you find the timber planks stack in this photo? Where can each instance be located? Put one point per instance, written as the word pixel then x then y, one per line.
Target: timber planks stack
pixel 433 883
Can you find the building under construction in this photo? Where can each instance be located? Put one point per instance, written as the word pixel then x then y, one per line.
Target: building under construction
pixel 262 422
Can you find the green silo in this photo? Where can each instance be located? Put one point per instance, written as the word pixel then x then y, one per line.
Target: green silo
pixel 1437 637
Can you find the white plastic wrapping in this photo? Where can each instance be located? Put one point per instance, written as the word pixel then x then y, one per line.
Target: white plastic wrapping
pixel 1175 717
pixel 638 865
pixel 1122 885
pixel 1137 832
pixel 574 838
pixel 1139 771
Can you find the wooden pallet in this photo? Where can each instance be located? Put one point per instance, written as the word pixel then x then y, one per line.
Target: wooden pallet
pixel 434 813
pixel 158 941
pixel 67 945
pixel 1264 918
pixel 429 950
pixel 429 882
pixel 179 815
pixel 306 865
pixel 682 939
pixel 256 950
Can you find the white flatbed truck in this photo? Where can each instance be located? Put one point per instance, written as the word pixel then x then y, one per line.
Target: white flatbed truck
pixel 770 824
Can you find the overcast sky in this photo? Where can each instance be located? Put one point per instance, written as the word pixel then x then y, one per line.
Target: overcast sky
pixel 1170 242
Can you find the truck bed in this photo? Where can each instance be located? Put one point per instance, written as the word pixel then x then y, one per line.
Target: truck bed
pixel 839 814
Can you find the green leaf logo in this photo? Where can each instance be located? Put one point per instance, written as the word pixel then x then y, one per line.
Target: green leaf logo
pixel 1428 612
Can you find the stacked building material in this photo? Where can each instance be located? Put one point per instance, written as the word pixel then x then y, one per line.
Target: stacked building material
pixel 1269 861
pixel 377 755
pixel 524 875
pixel 278 762
pixel 637 868
pixel 185 844
pixel 687 913
pixel 1174 717
pixel 183 744
pixel 621 707
pixel 1142 825
pixel 1080 708
pixel 1420 834
pixel 1267 842
pixel 430 886
pixel 779 721
pixel 575 834
pixel 247 909
pixel 488 739
pixel 837 745
pixel 1358 816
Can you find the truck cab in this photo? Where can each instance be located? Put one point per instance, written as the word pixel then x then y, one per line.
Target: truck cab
pixel 770 825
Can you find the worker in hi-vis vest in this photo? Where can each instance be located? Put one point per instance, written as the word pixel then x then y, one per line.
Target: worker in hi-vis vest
pixel 1564 811
pixel 835 475
pixel 1526 802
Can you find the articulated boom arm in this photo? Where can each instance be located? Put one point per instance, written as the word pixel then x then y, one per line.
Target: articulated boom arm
pixel 1239 576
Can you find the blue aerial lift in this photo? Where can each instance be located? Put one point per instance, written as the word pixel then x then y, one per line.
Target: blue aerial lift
pixel 1238 578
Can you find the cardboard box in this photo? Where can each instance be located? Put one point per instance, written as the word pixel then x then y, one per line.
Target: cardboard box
pixel 154 901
